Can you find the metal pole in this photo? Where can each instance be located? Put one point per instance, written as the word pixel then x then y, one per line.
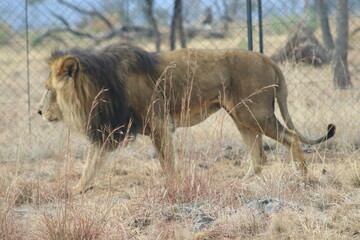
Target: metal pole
pixel 249 24
pixel 27 63
pixel 261 43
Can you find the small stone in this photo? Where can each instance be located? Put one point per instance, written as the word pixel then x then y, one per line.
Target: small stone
pixel 226 148
pixel 217 159
pixel 266 205
pixel 22 212
pixel 203 166
pixel 202 223
pixel 237 163
pixel 43 175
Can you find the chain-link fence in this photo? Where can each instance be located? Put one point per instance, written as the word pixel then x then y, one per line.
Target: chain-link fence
pixel 304 37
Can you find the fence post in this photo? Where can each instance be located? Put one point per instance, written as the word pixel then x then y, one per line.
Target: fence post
pixel 249 24
pixel 261 43
pixel 27 63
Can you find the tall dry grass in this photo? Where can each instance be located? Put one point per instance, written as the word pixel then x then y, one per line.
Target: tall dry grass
pixel 133 200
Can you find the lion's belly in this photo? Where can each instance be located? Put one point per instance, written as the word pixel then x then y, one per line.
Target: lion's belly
pixel 195 115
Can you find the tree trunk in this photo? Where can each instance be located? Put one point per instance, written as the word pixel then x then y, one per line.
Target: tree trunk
pixel 340 62
pixel 180 25
pixel 151 17
pixel 177 23
pixel 173 28
pixel 324 24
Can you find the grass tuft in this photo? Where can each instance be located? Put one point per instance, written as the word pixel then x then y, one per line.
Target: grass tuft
pixel 71 223
pixel 10 226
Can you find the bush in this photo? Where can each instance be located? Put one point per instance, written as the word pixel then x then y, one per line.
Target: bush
pixel 6 33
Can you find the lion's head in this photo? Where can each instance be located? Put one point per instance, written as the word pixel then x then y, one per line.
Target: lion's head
pixel 48 107
pixel 68 95
pixel 62 73
pixel 86 90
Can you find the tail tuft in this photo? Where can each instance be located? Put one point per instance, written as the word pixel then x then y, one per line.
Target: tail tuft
pixel 331 129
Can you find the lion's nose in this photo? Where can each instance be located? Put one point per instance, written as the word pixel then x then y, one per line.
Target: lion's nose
pixel 40 112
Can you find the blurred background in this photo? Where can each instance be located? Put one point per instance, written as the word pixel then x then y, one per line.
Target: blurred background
pixel 316 43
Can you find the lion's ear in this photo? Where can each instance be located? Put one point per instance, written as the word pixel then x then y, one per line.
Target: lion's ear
pixel 68 67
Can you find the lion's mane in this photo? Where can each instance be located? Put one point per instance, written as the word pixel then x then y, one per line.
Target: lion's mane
pixel 99 99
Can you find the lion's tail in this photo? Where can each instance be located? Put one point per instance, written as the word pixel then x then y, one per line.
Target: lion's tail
pixel 281 96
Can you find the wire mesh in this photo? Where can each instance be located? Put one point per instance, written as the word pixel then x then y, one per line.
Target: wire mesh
pixel 31 29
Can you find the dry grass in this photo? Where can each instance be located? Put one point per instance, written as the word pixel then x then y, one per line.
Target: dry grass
pixel 133 200
pixel 10 227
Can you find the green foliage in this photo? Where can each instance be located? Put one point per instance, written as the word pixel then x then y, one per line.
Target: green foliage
pixel 243 44
pixel 280 25
pixel 32 2
pixel 284 25
pixel 312 20
pixel 6 33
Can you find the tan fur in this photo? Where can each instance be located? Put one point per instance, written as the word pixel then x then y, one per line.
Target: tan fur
pixel 172 89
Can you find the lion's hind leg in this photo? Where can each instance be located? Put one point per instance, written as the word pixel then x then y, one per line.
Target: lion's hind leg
pixel 274 129
pixel 253 142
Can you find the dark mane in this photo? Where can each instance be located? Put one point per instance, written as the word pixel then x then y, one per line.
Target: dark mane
pixel 107 69
pixel 139 59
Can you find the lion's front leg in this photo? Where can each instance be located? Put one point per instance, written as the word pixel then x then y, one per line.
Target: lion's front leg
pixel 163 142
pixel 93 163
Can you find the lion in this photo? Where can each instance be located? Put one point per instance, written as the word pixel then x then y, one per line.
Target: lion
pixel 112 94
